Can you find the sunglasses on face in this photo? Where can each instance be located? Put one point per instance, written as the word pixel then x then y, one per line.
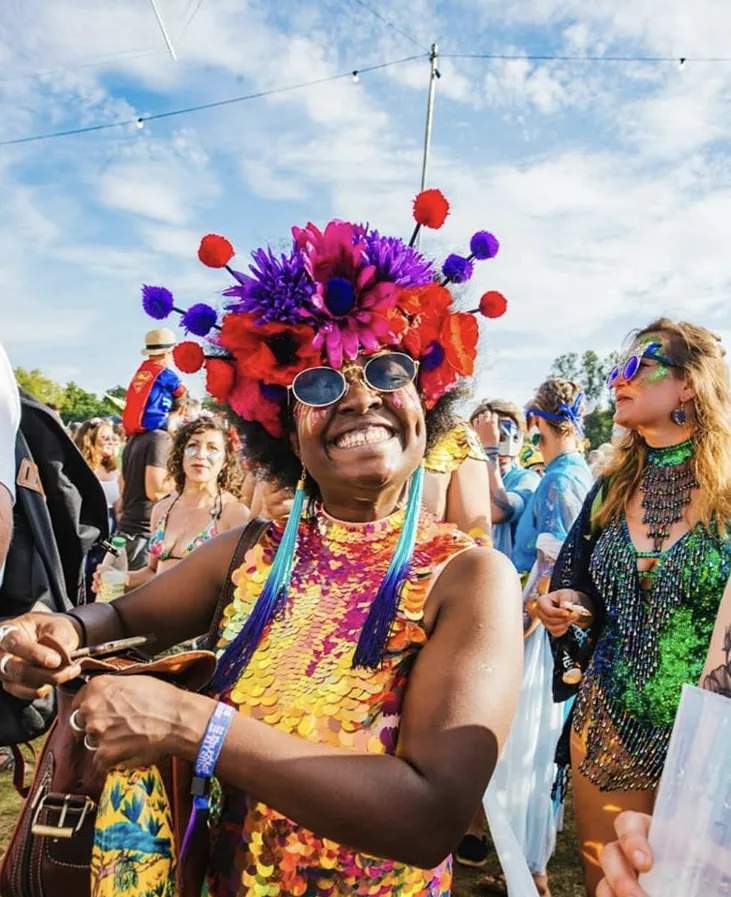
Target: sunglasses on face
pixel 630 367
pixel 320 387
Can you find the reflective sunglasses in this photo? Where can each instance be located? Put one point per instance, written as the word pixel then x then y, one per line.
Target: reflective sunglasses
pixel 630 367
pixel 320 387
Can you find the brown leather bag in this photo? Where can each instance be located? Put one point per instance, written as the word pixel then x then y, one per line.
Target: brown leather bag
pixel 50 849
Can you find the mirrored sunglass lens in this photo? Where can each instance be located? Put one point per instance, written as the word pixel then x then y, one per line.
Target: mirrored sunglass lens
pixel 630 367
pixel 390 372
pixel 612 378
pixel 318 387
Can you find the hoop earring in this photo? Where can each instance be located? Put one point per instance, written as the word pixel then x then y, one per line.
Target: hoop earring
pixel 678 416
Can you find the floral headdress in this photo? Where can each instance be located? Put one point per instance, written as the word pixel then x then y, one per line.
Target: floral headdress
pixel 336 293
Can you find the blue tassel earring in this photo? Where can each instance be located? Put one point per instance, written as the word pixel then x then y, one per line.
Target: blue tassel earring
pixel 237 655
pixel 373 637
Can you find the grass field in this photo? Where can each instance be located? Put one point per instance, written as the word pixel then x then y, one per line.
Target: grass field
pixel 564 870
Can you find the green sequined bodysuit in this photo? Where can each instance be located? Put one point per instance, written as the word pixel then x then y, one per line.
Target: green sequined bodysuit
pixel 654 641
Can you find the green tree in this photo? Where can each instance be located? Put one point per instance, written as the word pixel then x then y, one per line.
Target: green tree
pixel 78 404
pixel 590 371
pixel 37 384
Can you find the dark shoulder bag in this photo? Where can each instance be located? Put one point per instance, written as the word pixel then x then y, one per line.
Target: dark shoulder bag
pixel 50 849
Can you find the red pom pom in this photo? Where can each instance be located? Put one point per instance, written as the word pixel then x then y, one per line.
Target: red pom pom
pixel 493 304
pixel 431 209
pixel 188 357
pixel 215 251
pixel 220 376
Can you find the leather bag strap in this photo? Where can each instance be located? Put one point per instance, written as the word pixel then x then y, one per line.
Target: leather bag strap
pixel 253 531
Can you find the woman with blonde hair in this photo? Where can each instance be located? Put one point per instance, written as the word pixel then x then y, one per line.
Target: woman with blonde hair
pixel 647 561
pixel 97 442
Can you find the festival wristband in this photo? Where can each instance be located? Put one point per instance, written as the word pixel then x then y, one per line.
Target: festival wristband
pixel 205 766
pixel 491 449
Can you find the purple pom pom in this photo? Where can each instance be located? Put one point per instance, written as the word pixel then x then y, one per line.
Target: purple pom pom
pixel 157 301
pixel 434 357
pixel 484 245
pixel 457 269
pixel 199 319
pixel 340 296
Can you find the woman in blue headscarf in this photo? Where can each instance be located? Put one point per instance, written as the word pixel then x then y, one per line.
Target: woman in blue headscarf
pixel 522 782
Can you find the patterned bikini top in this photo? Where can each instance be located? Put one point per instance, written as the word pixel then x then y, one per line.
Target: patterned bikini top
pixel 160 552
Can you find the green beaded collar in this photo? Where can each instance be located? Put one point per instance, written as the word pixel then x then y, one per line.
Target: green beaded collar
pixel 671 455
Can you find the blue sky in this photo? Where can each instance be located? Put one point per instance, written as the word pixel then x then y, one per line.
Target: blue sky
pixel 609 184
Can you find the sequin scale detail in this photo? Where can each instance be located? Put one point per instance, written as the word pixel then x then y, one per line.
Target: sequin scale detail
pixel 646 652
pixel 301 681
pixel 453 449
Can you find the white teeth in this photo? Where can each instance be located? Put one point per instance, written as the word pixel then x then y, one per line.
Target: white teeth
pixel 367 436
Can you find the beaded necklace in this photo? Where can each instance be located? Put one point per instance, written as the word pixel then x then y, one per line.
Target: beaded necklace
pixel 667 483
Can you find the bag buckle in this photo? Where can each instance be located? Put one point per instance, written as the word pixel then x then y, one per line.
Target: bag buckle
pixel 68 807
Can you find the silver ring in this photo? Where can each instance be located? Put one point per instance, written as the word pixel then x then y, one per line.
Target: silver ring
pixel 6 630
pixel 4 660
pixel 74 722
pixel 89 746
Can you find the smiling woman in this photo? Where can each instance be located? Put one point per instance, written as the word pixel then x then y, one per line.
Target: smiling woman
pixel 368 655
pixel 648 559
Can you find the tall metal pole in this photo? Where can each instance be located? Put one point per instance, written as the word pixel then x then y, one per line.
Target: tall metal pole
pixel 433 75
pixel 166 37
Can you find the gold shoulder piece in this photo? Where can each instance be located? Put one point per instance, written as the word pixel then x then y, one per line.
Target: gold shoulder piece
pixel 453 449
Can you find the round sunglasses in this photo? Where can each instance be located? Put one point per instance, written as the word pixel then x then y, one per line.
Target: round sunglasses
pixel 323 386
pixel 631 365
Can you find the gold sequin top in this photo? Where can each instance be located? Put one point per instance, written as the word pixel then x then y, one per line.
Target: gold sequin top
pixel 300 680
pixel 454 448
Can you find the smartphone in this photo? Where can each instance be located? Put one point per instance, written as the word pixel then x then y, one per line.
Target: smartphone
pixel 115 647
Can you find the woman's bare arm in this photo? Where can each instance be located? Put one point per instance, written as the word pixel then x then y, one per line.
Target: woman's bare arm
pixel 461 697
pixel 717 671
pixel 468 497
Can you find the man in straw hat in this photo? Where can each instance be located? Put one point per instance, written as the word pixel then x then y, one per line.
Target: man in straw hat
pixel 154 392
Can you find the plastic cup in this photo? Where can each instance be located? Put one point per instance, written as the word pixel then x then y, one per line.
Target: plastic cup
pixel 690 834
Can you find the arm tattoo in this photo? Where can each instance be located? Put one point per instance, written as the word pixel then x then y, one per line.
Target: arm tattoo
pixel 719 680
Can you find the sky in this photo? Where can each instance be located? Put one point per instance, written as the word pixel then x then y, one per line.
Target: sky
pixel 607 182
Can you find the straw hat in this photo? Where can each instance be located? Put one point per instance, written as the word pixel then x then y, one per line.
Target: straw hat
pixel 159 341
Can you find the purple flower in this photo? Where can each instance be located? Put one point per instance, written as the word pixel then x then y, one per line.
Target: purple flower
pixel 484 245
pixel 157 301
pixel 199 319
pixel 279 289
pixel 457 269
pixel 396 262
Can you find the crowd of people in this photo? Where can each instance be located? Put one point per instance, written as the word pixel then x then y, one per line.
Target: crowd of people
pixel 452 614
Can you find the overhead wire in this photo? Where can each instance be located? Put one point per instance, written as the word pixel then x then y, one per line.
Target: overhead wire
pixel 550 57
pixel 142 119
pixel 190 18
pixel 119 56
pixel 389 24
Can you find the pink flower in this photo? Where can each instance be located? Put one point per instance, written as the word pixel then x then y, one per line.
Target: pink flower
pixel 351 306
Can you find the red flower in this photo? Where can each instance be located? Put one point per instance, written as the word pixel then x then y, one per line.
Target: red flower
pixel 431 209
pixel 249 403
pixel 215 251
pixel 493 304
pixel 220 378
pixel 455 349
pixel 188 357
pixel 274 353
pixel 424 307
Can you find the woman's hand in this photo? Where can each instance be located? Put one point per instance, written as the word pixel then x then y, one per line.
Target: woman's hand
pixel 96 579
pixel 554 610
pixel 622 860
pixel 133 721
pixel 37 647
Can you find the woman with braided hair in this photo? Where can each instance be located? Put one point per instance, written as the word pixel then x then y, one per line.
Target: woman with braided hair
pixel 525 773
pixel 648 559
